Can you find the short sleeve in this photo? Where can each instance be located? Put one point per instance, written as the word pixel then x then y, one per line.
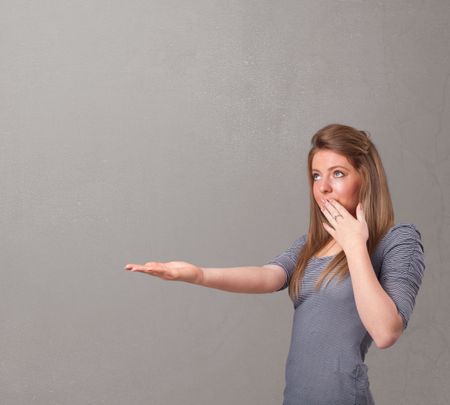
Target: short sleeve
pixel 288 259
pixel 403 267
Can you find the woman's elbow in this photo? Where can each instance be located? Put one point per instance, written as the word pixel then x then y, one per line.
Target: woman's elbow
pixel 386 343
pixel 391 338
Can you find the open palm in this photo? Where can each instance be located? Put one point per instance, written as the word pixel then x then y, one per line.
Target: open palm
pixel 179 271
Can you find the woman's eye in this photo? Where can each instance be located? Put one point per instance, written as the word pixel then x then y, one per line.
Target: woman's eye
pixel 336 171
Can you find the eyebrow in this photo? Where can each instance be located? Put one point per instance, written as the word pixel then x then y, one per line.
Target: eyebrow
pixel 332 167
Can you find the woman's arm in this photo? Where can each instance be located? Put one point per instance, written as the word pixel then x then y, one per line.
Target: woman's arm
pixel 376 309
pixel 249 279
pixel 246 279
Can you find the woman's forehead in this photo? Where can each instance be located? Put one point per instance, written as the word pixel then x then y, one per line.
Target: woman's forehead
pixel 328 158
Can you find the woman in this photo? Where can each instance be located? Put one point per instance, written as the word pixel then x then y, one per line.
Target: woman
pixel 353 278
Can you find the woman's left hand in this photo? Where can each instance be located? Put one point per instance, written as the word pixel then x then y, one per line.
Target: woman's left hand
pixel 349 232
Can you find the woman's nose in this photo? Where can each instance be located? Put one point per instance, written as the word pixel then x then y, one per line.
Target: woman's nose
pixel 325 186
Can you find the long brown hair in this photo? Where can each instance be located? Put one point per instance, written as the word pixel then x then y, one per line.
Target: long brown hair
pixel 357 147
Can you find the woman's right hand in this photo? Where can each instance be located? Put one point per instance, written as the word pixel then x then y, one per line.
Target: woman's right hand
pixel 176 271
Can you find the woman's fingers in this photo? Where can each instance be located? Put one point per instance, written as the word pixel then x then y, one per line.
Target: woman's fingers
pixel 140 267
pixel 339 208
pixel 328 207
pixel 326 212
pixel 153 268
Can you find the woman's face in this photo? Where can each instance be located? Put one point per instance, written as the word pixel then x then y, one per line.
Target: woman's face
pixel 342 183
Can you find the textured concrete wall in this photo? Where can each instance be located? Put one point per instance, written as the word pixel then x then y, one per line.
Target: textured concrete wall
pixel 136 131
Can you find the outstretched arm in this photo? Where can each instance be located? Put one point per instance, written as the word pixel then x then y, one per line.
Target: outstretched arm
pixel 251 279
pixel 246 279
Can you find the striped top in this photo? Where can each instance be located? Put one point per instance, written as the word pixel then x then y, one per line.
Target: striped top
pixel 325 364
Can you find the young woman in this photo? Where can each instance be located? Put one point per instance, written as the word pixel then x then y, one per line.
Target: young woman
pixel 353 277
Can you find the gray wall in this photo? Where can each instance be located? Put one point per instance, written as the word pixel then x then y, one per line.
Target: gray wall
pixel 136 131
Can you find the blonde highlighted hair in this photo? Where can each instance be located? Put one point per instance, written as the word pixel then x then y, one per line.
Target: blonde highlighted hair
pixel 357 147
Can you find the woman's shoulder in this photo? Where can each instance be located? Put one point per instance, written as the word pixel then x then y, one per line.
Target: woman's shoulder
pixel 404 233
pixel 403 229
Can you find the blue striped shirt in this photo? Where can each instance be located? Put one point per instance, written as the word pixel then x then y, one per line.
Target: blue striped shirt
pixel 325 364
